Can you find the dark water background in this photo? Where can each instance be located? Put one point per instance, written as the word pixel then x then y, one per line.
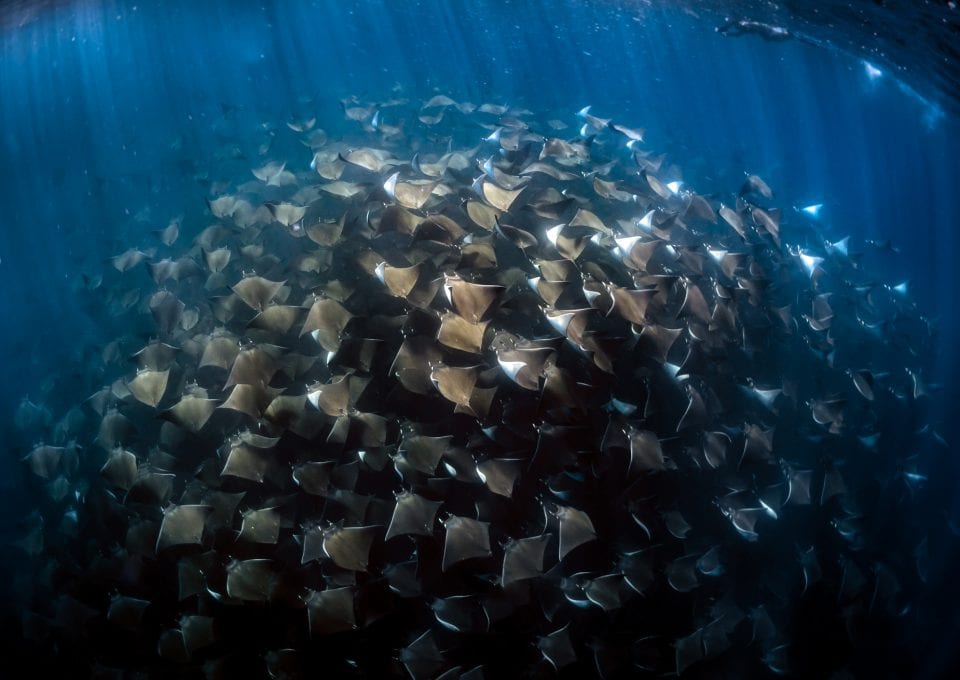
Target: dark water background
pixel 110 111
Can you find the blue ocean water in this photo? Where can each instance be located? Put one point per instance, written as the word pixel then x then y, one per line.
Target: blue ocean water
pixel 107 107
pixel 110 111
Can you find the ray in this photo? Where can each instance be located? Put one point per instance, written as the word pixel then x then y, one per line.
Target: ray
pixel 681 574
pixel 525 366
pixel 245 462
pixel 464 539
pixel 126 612
pixel 286 214
pixel 523 559
pixel 646 453
pixel 148 387
pixel 182 525
pixel 261 526
pixel 151 488
pixel 576 528
pixel 254 366
pixel 410 194
pixel 44 461
pixel 471 301
pixel 314 477
pixel 251 400
pixel 458 333
pixel 412 514
pixel 217 260
pixel 276 319
pixel 169 234
pixel 331 611
pixel 372 160
pixel 483 215
pixel 423 453
pixel 754 184
pixel 500 475
pixel 191 412
pixel 166 310
pixel 120 469
pixel 604 591
pixel 220 351
pixel 251 580
pixel 455 383
pixel 349 547
pixel 657 340
pixel 257 291
pixel 422 658
pixel 325 322
pixel 130 259
pixel 400 281
pixel 798 485
pixel 333 398
pixel 155 356
pixel 198 632
pixel 557 648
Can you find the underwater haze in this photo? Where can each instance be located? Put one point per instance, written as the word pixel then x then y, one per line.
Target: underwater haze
pixel 490 339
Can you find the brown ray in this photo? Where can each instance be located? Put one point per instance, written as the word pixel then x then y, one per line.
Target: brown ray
pixel 257 291
pixel 458 333
pixel 251 400
pixel 120 469
pixel 276 319
pixel 472 301
pixel 148 387
pixel 483 215
pixel 349 547
pixel 286 214
pixel 246 462
pixel 325 322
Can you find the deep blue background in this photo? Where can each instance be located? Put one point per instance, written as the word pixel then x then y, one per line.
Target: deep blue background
pixel 107 109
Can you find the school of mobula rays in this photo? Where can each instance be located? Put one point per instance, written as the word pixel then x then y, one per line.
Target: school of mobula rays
pixel 526 408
